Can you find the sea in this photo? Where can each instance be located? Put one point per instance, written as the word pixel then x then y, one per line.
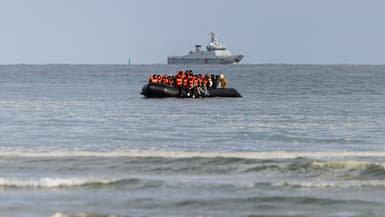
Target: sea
pixel 303 141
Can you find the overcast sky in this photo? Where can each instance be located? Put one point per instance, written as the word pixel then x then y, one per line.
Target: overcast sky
pixel 147 31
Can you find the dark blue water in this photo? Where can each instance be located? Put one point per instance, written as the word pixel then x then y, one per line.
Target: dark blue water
pixel 304 140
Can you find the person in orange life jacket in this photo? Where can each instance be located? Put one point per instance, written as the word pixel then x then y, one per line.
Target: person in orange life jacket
pixel 179 80
pixel 203 86
pixel 185 87
pixel 185 82
pixel 190 88
pixel 195 82
pixel 153 79
pixel 190 82
pixel 159 80
pixel 190 74
pixel 171 81
pixel 200 79
pixel 184 74
pixel 196 87
pixel 165 80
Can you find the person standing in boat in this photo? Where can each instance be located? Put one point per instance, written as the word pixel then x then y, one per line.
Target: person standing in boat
pixel 222 81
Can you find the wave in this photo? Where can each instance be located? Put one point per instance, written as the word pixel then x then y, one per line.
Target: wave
pixel 144 167
pixel 298 167
pixel 333 184
pixel 60 214
pixel 350 170
pixel 295 175
pixel 344 165
pixel 190 154
pixel 48 182
pixel 155 172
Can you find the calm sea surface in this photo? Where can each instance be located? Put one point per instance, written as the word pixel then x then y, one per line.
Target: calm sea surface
pixel 80 141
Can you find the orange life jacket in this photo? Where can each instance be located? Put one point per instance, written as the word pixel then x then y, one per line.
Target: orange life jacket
pixel 185 82
pixel 184 74
pixel 164 80
pixel 191 83
pixel 160 78
pixel 179 81
pixel 153 79
pixel 170 81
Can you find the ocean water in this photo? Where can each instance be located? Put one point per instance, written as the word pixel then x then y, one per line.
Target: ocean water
pixel 304 140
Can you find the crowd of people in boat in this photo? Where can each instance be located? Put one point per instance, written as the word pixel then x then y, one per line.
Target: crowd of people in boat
pixel 190 83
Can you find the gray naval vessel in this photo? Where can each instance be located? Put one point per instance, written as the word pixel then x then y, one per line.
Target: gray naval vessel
pixel 216 53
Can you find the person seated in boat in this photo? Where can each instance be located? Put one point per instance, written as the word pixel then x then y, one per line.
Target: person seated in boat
pixel 179 80
pixel 216 81
pixel 185 82
pixel 164 80
pixel 203 87
pixel 187 88
pixel 191 83
pixel 190 74
pixel 222 81
pixel 171 81
pixel 160 78
pixel 184 74
pixel 197 89
pixel 153 79
pixel 210 84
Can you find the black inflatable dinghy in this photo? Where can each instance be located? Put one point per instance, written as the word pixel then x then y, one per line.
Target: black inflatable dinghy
pixel 155 90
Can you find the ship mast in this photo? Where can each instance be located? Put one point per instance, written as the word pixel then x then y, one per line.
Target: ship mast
pixel 213 37
pixel 214 40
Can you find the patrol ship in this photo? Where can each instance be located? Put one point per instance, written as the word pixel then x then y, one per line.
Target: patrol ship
pixel 216 53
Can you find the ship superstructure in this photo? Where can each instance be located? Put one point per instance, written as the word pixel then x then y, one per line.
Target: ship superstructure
pixel 215 53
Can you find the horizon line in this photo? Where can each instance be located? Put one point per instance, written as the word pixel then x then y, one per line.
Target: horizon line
pixel 149 64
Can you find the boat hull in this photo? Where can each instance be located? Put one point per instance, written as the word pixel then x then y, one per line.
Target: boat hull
pixel 211 60
pixel 153 90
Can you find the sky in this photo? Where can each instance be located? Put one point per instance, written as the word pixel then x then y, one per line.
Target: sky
pixel 147 31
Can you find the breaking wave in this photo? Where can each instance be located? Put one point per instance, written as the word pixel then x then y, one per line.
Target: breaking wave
pixel 47 182
pixel 142 169
pixel 60 214
pixel 293 173
pixel 333 184
pixel 4 152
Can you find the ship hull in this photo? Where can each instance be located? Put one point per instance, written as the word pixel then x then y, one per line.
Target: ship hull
pixel 216 60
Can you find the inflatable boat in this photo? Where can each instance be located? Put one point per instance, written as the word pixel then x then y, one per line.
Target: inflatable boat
pixel 156 90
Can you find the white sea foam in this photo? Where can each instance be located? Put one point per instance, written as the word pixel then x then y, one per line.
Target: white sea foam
pixel 192 154
pixel 48 182
pixel 60 214
pixel 342 164
pixel 75 182
pixel 333 184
